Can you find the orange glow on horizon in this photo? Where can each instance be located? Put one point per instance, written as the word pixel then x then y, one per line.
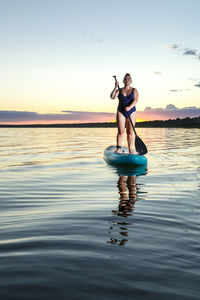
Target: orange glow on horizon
pixel 43 122
pixel 140 120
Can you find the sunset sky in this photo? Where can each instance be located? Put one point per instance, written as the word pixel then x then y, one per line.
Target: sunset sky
pixel 57 58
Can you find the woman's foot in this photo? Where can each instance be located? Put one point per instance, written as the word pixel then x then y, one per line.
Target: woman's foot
pixel 118 149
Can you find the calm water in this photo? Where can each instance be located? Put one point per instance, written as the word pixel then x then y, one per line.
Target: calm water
pixel 73 227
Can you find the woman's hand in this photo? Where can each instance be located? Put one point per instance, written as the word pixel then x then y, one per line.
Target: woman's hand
pixel 116 84
pixel 127 108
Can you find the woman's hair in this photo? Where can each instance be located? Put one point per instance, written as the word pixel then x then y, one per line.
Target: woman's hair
pixel 128 74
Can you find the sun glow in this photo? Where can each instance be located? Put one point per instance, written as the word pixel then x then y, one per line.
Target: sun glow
pixel 140 120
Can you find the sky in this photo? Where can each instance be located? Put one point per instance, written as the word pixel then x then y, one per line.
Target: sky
pixel 58 58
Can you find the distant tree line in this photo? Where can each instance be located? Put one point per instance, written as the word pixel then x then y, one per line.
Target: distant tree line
pixel 184 123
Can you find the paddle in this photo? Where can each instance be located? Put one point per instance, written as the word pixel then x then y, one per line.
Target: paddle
pixel 139 144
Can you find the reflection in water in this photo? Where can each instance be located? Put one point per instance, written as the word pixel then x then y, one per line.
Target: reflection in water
pixel 128 191
pixel 128 195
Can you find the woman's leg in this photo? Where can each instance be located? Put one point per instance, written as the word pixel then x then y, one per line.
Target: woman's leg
pixel 129 131
pixel 121 121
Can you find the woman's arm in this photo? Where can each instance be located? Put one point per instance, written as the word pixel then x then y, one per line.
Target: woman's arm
pixel 133 103
pixel 115 91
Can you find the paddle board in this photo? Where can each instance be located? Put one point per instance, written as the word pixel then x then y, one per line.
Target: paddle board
pixel 123 157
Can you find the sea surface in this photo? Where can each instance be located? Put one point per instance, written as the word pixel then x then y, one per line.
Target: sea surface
pixel 74 227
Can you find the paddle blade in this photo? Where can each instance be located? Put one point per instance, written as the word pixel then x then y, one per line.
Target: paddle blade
pixel 140 146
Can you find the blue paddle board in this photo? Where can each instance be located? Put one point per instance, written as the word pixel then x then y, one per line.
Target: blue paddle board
pixel 123 157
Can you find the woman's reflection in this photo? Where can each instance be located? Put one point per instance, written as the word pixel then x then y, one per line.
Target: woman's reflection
pixel 128 196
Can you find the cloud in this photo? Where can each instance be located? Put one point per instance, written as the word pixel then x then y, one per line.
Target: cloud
pixel 190 52
pixel 174 46
pixel 28 117
pixel 196 80
pixel 197 85
pixel 170 112
pixel 63 117
pixel 179 90
pixel 171 47
pixel 170 107
pixel 185 51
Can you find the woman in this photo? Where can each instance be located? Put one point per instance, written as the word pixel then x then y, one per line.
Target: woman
pixel 129 97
